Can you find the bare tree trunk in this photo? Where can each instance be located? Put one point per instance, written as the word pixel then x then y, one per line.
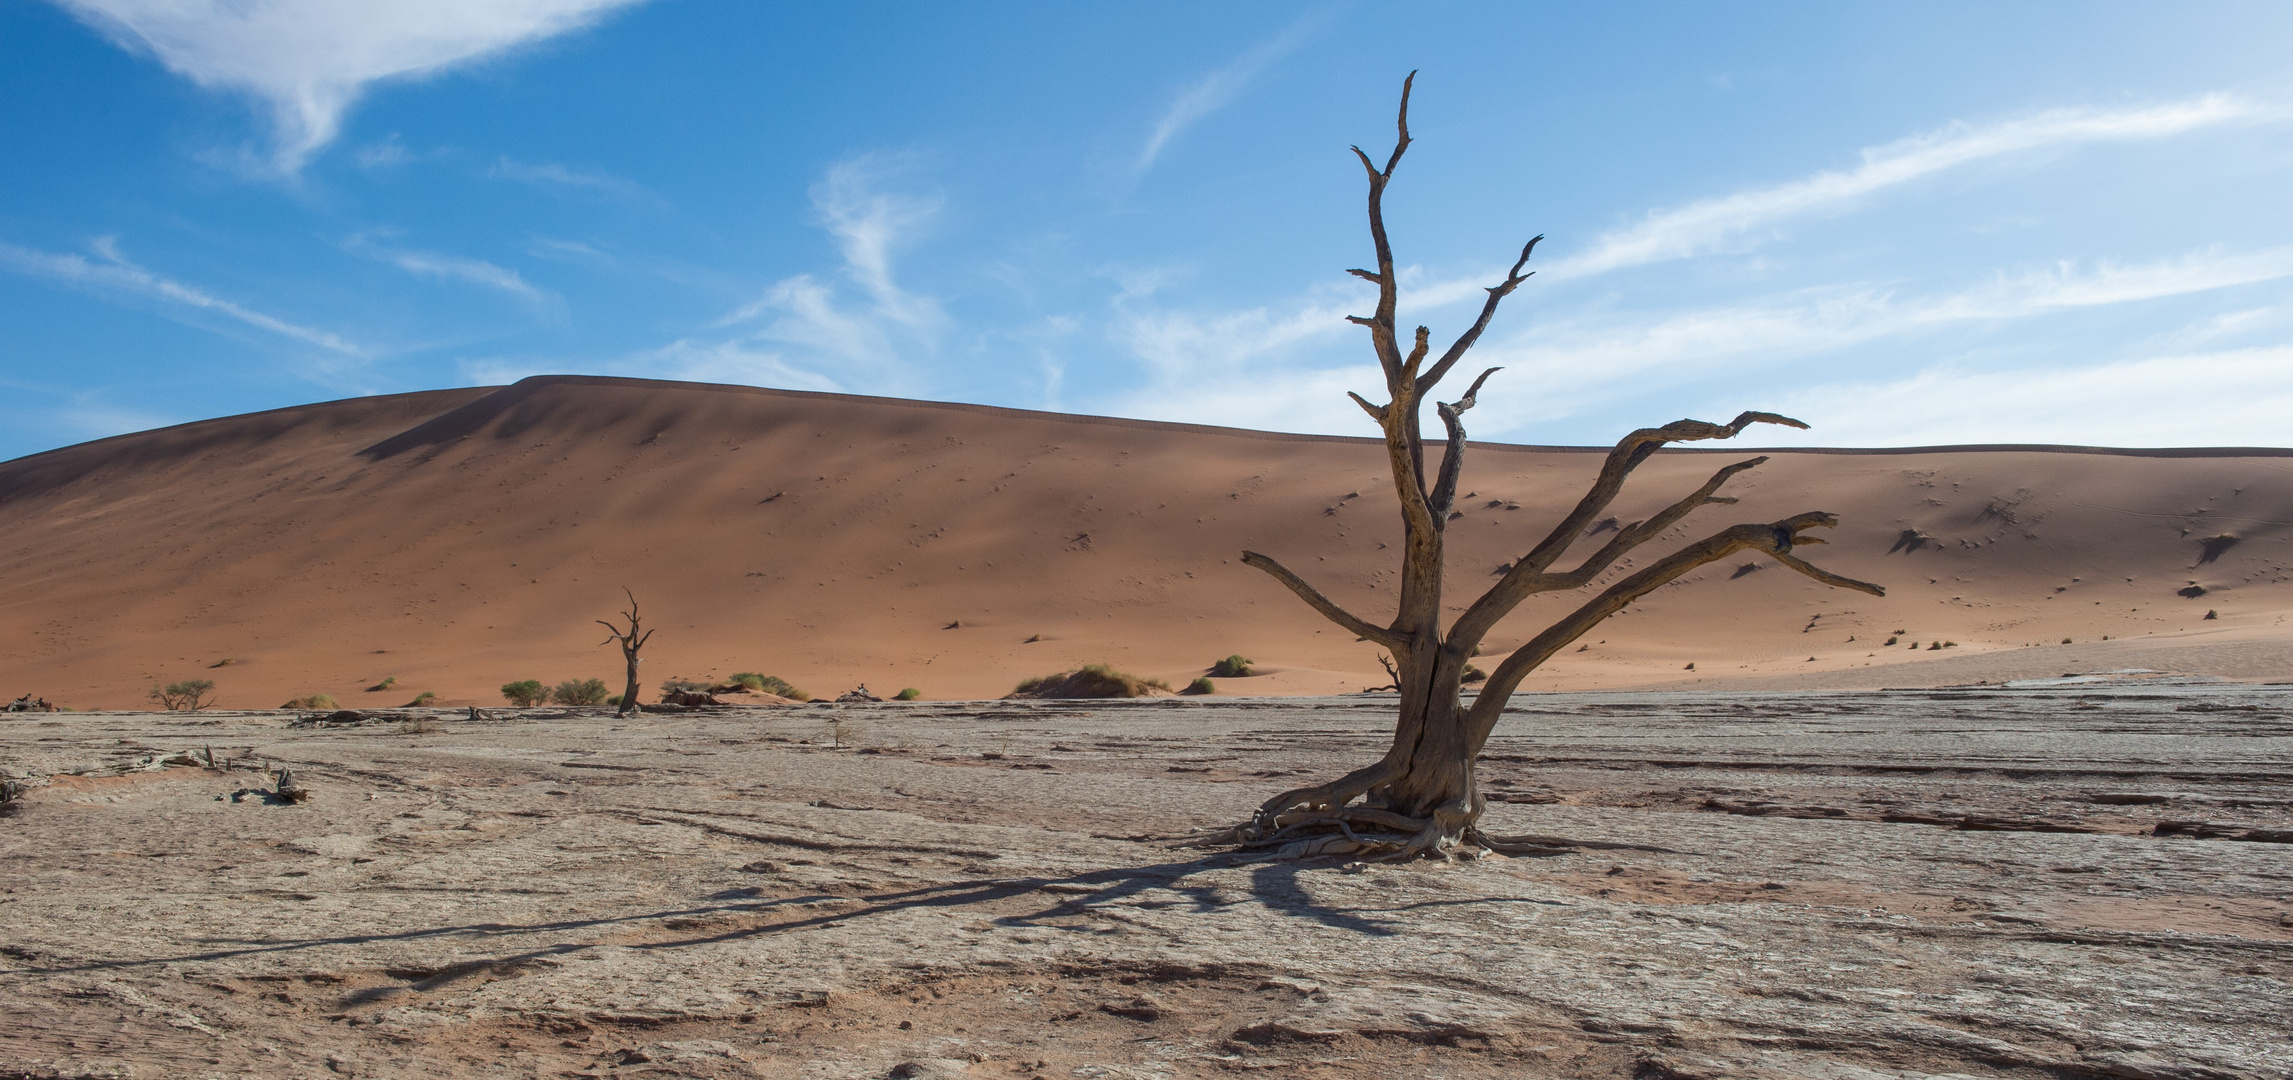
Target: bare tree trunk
pixel 1421 797
pixel 630 641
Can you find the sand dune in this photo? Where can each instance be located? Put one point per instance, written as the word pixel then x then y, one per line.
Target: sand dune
pixel 456 540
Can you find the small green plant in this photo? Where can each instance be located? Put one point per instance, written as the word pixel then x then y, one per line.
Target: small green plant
pixel 524 693
pixel 383 685
pixel 614 700
pixel 579 692
pixel 190 695
pixel 311 701
pixel 1200 686
pixel 1473 675
pixel 1236 666
pixel 420 700
pixel 909 694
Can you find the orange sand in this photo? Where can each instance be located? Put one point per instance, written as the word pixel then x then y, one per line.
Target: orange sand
pixel 460 539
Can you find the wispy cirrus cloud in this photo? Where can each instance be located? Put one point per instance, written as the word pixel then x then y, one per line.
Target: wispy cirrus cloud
pixel 1215 90
pixel 310 61
pixel 810 331
pixel 550 173
pixel 1711 224
pixel 1258 367
pixel 2145 402
pixel 444 267
pixel 112 272
pixel 812 319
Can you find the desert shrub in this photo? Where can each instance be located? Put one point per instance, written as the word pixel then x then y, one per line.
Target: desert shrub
pixel 190 695
pixel 1473 675
pixel 421 699
pixel 1200 686
pixel 1236 666
pixel 1091 681
pixel 579 692
pixel 524 693
pixel 383 685
pixel 615 700
pixel 312 701
pixel 770 684
pixel 683 686
pixel 909 694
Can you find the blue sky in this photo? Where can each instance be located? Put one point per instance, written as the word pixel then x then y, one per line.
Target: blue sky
pixel 1926 223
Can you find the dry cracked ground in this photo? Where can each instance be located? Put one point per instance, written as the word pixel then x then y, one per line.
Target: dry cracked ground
pixel 2088 879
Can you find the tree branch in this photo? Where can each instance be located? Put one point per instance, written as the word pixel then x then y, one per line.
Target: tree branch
pixel 1776 539
pixel 1519 584
pixel 1444 497
pixel 1629 453
pixel 1360 627
pixel 1401 143
pixel 1464 342
pixel 1416 355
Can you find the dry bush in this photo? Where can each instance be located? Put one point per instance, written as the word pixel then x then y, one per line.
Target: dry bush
pixel 1091 681
pixel 767 684
pixel 312 701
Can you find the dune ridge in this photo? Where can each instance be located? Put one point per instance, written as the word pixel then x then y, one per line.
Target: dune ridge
pixel 459 539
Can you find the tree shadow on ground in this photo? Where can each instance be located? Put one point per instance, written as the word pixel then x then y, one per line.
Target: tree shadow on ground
pixel 1093 894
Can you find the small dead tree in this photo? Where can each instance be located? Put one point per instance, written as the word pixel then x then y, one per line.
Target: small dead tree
pixel 1421 798
pixel 630 640
pixel 190 695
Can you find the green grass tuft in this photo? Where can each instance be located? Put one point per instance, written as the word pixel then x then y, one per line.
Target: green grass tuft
pixel 525 693
pixel 1236 666
pixel 579 692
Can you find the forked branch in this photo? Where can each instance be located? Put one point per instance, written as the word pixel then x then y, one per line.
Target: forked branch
pixel 1629 453
pixel 1497 294
pixel 1520 583
pixel 1444 497
pixel 1776 539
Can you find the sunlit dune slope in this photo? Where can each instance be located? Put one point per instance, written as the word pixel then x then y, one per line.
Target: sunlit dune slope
pixel 460 539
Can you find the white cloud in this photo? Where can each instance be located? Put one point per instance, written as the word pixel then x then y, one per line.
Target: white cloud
pixel 548 172
pixel 114 273
pixel 2238 398
pixel 1212 92
pixel 1710 223
pixel 444 267
pixel 870 343
pixel 310 60
pixel 1572 362
pixel 1258 368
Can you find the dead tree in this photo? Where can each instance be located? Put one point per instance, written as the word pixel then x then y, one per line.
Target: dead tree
pixel 1421 797
pixel 630 640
